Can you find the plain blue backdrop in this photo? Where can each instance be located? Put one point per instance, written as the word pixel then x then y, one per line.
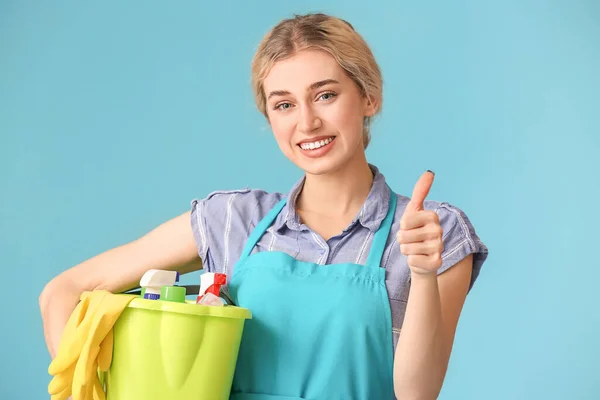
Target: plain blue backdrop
pixel 115 115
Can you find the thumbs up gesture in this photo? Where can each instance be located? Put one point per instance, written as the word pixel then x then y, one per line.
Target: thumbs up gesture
pixel 420 234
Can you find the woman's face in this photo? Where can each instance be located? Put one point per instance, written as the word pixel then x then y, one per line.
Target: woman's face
pixel 316 111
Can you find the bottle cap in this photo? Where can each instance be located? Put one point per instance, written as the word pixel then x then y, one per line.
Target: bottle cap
pixel 173 293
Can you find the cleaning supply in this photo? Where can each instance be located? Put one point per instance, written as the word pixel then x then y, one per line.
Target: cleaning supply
pixel 173 293
pixel 154 279
pixel 211 282
pixel 209 299
pixel 86 346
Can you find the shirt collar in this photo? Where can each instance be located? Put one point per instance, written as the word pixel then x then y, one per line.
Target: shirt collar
pixel 370 215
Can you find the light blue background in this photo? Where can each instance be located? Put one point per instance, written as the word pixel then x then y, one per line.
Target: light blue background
pixel 114 115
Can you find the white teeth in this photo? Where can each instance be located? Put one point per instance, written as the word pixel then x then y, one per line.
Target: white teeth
pixel 316 145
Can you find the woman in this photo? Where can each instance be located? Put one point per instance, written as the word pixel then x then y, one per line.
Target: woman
pixel 326 280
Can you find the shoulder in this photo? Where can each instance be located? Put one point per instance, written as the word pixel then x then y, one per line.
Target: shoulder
pixel 450 216
pixel 245 203
pixel 460 237
pixel 223 219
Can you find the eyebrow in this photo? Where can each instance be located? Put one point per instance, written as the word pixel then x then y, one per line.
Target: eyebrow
pixel 313 86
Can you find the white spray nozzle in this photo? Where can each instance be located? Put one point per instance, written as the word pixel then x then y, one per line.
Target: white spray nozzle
pixel 154 279
pixel 206 280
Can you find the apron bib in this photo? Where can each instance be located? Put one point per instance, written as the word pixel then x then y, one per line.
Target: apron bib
pixel 317 331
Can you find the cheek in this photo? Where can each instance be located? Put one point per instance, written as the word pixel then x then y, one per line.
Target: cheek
pixel 348 118
pixel 282 128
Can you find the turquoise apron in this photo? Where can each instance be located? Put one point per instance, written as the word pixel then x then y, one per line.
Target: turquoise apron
pixel 317 331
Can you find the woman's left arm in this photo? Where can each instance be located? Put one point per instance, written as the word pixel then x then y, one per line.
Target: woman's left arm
pixel 434 303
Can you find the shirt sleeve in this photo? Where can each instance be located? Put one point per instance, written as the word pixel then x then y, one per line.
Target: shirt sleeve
pixel 219 222
pixel 460 240
pixel 222 223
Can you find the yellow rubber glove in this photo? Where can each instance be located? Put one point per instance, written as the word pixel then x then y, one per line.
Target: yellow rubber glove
pixel 103 322
pixel 61 385
pixel 86 347
pixel 63 365
pixel 76 331
pixel 105 355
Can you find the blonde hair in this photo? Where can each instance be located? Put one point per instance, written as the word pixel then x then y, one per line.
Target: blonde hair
pixel 322 32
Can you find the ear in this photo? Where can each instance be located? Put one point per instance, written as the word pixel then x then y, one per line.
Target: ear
pixel 371 105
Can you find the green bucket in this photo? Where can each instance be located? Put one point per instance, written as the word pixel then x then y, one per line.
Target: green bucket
pixel 169 350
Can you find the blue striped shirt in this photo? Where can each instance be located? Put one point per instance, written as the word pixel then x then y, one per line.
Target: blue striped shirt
pixel 223 221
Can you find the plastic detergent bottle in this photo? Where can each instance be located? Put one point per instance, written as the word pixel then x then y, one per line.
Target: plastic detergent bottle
pixel 153 281
pixel 210 283
pixel 173 293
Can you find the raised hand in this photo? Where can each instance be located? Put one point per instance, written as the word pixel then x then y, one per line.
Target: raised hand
pixel 420 234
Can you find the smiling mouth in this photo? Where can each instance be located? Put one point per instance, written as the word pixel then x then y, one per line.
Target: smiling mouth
pixel 316 144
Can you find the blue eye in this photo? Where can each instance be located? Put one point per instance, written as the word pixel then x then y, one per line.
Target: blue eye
pixel 327 96
pixel 283 106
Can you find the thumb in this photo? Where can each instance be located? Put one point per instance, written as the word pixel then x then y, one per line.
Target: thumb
pixel 420 192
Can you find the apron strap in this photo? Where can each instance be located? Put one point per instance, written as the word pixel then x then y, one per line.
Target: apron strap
pixel 261 228
pixel 382 234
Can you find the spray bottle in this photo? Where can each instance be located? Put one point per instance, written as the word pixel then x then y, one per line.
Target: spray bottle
pixel 210 286
pixel 154 279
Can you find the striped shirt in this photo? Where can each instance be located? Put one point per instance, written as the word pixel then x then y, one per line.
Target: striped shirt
pixel 223 221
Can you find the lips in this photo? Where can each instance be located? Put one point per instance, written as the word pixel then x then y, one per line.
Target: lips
pixel 316 143
pixel 317 148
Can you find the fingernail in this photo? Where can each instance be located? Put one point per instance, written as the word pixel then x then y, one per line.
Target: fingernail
pixel 431 171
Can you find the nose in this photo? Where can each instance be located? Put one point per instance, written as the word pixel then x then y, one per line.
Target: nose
pixel 308 120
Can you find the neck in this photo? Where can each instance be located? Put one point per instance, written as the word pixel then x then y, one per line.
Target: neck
pixel 339 192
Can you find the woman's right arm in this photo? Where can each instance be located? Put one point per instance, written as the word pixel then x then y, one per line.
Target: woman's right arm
pixel 170 246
